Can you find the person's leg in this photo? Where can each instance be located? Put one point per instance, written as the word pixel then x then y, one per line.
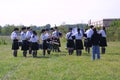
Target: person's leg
pixel 44 51
pixel 103 50
pixel 15 53
pixel 36 53
pixel 98 52
pixel 80 52
pixel 30 50
pixel 88 49
pixel 93 52
pixel 33 53
pixel 59 49
pixel 24 53
pixel 72 51
pixel 77 52
pixel 48 51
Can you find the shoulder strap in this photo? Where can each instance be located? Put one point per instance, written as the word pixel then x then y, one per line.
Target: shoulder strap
pixel 70 35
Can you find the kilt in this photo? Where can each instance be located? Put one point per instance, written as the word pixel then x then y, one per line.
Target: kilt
pixel 30 44
pixel 78 44
pixel 70 44
pixel 25 45
pixel 34 46
pixel 103 42
pixel 89 42
pixel 44 44
pixel 15 45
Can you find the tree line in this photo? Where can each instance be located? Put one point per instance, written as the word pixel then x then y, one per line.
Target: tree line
pixel 7 29
pixel 113 32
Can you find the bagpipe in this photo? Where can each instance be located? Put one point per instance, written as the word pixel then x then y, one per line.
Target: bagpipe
pixel 52 41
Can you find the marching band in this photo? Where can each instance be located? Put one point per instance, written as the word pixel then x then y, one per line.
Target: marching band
pixel 50 38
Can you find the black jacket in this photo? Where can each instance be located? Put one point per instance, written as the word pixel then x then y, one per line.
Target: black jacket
pixel 95 39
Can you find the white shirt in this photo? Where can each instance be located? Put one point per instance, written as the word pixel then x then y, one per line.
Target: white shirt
pixel 23 35
pixel 14 35
pixel 69 36
pixel 44 36
pixel 28 34
pixel 89 33
pixel 102 32
pixel 79 36
pixel 34 38
pixel 56 34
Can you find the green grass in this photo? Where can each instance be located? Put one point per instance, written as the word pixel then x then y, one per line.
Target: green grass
pixel 60 66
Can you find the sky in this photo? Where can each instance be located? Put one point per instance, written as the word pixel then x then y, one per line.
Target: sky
pixel 42 12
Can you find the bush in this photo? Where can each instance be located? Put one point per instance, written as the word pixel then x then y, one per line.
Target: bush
pixel 113 32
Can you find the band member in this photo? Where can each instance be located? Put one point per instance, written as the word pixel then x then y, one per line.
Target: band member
pixel 89 33
pixel 25 44
pixel 49 41
pixel 57 34
pixel 44 41
pixel 15 44
pixel 103 41
pixel 70 41
pixel 95 39
pixel 28 35
pixel 85 41
pixel 78 42
pixel 35 44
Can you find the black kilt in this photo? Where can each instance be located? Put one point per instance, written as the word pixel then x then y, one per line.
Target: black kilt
pixel 70 44
pixel 34 46
pixel 30 44
pixel 25 45
pixel 78 44
pixel 89 42
pixel 103 42
pixel 15 45
pixel 44 44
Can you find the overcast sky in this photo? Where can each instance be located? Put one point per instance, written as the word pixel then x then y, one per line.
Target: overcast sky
pixel 41 12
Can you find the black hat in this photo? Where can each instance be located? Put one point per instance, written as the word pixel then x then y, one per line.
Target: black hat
pixel 91 26
pixel 34 32
pixel 16 29
pixel 78 29
pixel 51 29
pixel 43 30
pixel 56 27
pixel 28 28
pixel 23 28
pixel 70 28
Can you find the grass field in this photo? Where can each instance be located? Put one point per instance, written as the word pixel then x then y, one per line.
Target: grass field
pixel 60 66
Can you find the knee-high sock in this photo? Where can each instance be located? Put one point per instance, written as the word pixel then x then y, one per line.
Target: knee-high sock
pixel 103 50
pixel 48 51
pixel 77 52
pixel 88 49
pixel 44 52
pixel 80 52
pixel 15 53
pixel 24 53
